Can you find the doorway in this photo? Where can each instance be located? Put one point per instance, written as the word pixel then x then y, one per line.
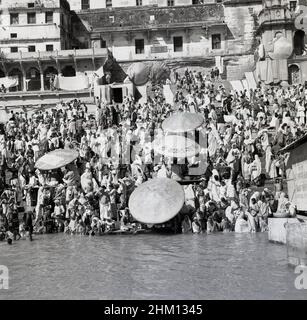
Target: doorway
pixel 294 74
pixel 299 42
pixel 33 79
pixel 118 95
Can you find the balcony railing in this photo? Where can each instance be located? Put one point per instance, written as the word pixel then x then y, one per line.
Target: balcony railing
pixel 61 54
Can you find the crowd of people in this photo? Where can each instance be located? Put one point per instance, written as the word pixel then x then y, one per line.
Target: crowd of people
pixel 245 133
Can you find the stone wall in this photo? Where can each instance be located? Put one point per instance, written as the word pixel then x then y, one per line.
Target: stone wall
pixel 147 17
pixel 278 229
pixel 297 243
pixel 241 20
pixel 236 66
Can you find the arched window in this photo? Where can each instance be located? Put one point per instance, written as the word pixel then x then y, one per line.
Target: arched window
pixel 294 74
pixel 33 79
pixel 69 71
pixel 49 75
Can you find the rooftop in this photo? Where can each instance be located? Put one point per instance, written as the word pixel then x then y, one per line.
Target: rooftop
pixel 152 17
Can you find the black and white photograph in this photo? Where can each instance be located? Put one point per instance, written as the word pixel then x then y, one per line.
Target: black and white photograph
pixel 153 150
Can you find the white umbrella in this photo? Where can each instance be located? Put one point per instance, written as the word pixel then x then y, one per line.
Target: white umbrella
pixel 156 201
pixel 176 146
pixel 182 122
pixel 56 159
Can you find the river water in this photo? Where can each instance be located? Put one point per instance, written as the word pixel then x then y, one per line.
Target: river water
pixel 215 266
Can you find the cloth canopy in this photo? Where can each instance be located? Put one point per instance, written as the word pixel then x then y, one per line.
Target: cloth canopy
pixel 156 201
pixel 159 72
pixel 56 159
pixel 139 73
pixel 176 146
pixel 9 82
pixel 182 122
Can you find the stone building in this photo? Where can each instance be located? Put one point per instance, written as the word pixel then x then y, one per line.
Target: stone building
pixel 100 4
pixel 37 48
pixel 31 25
pixel 42 39
pixel 35 74
pixel 182 32
pixel 281 56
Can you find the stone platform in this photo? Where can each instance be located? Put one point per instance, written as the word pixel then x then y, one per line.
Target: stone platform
pixel 278 229
pixel 297 243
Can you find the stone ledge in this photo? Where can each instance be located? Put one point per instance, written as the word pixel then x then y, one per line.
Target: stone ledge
pixel 277 229
pixel 297 243
pixel 237 2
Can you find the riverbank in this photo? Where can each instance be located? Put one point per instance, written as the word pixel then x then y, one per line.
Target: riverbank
pixel 215 266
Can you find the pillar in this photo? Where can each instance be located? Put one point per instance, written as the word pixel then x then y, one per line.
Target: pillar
pixel 25 86
pixel 42 81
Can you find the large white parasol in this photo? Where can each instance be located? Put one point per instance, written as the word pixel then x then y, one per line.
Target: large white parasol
pixel 176 146
pixel 156 201
pixel 56 159
pixel 182 122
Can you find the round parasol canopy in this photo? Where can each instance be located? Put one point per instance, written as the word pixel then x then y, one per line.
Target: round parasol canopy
pixel 156 201
pixel 182 122
pixel 176 146
pixel 282 48
pixel 56 159
pixel 139 73
pixel 159 72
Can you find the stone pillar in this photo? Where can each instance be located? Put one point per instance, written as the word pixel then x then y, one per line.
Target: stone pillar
pixel 42 81
pixel 25 89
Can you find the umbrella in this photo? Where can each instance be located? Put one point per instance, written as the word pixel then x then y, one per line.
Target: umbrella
pixel 139 73
pixel 159 72
pixel 156 201
pixel 182 122
pixel 176 146
pixel 56 159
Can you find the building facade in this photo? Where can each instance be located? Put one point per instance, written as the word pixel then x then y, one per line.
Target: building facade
pixel 183 32
pixel 41 39
pixel 36 46
pixel 78 5
pixel 31 25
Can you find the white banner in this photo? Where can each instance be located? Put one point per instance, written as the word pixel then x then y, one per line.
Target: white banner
pixel 76 83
